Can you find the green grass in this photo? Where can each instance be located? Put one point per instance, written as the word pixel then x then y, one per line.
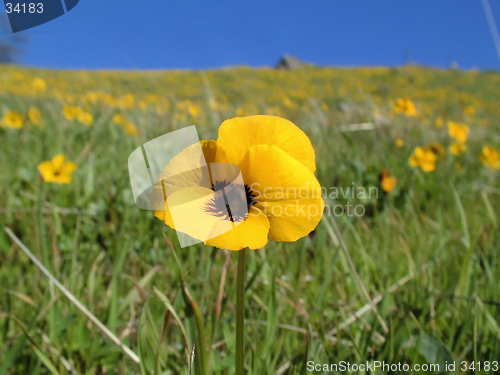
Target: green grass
pixel 428 253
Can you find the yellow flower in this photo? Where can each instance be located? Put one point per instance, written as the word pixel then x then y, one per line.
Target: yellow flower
pixel 130 129
pixel 57 170
pixel 12 120
pixel 240 112
pixel 438 150
pixel 71 113
pixel 119 119
pixel 459 131
pixel 324 107
pixel 490 157
pixel 387 181
pixel 34 116
pixel 469 111
pixel 39 84
pixel 399 142
pixel 457 148
pixel 406 107
pixel 194 110
pixel 423 158
pixel 127 101
pixel 440 121
pixel 85 118
pixel 458 167
pixel 289 104
pixel 278 197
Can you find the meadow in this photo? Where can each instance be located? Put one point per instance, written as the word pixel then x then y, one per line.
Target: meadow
pixel 414 279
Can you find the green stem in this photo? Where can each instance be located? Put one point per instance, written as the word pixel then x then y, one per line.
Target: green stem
pixel 240 312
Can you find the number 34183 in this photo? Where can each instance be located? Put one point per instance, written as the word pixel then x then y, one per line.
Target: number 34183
pixel 24 8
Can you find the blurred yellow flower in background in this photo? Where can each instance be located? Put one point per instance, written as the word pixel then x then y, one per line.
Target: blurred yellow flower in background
pixel 490 157
pixel 387 181
pixel 71 112
pixel 86 118
pixel 130 129
pixel 289 104
pixel 457 148
pixel 240 112
pixel 119 119
pixel 406 107
pixel 440 120
pixel 437 149
pixel 459 131
pixel 12 120
pixel 34 116
pixel 128 101
pixel 400 142
pixel 423 158
pixel 57 170
pixel 39 84
pixel 469 111
pixel 194 110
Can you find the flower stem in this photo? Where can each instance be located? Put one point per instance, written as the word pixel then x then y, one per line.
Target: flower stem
pixel 240 311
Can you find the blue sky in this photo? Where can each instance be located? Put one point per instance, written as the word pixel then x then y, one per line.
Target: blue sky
pixel 164 34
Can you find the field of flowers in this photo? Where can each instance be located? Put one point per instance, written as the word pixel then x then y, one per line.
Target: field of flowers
pixel 406 275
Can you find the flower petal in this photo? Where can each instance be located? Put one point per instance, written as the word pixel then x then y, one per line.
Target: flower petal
pixel 237 135
pixel 182 172
pixel 68 168
pixel 46 170
pixel 58 162
pixel 62 179
pixel 186 208
pixel 250 233
pixel 286 191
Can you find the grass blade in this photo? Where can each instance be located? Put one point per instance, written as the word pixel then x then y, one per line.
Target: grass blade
pixel 170 308
pixel 463 220
pixel 72 298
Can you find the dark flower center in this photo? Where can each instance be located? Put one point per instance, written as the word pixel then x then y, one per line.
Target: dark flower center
pixel 231 202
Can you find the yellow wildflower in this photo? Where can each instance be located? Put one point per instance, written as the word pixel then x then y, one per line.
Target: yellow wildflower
pixel 39 84
pixel 86 118
pixel 119 119
pixel 440 120
pixel 400 143
pixel 279 197
pixel 57 170
pixel 423 158
pixel 12 120
pixel 387 181
pixel 127 101
pixel 34 116
pixel 490 157
pixel 71 112
pixel 437 149
pixel 459 131
pixel 457 148
pixel 469 111
pixel 194 110
pixel 406 107
pixel 240 112
pixel 130 129
pixel 289 104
